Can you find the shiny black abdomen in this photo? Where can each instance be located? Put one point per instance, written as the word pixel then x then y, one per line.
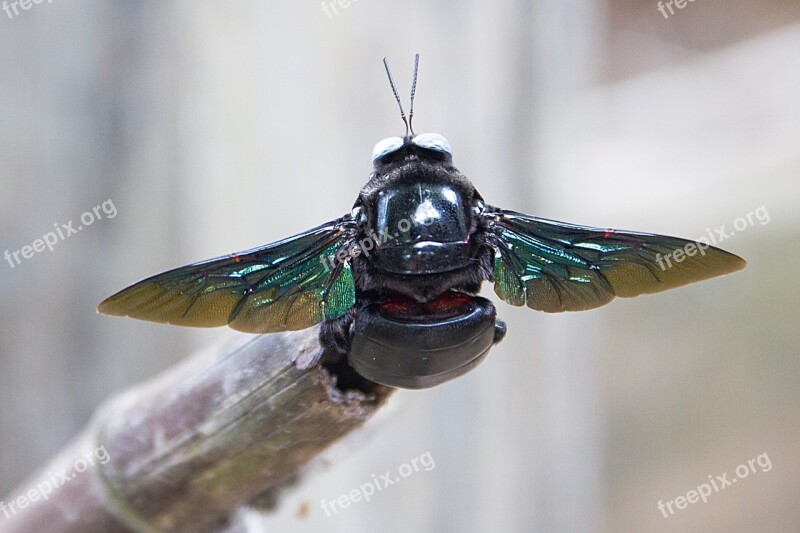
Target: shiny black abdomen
pixel 421 355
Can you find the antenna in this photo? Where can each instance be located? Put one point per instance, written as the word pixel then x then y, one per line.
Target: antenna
pixel 413 92
pixel 396 96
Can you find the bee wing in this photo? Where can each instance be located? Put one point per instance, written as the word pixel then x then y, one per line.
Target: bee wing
pixel 554 266
pixel 286 285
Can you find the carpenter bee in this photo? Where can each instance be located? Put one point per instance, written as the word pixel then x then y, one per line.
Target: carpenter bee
pixel 395 282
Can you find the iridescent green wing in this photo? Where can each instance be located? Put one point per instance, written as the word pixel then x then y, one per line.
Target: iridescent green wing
pixel 288 285
pixel 552 266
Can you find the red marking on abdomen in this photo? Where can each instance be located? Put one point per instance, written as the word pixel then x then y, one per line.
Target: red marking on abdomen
pixel 448 301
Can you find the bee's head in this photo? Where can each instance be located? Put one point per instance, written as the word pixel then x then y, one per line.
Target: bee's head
pixel 431 147
pixel 425 146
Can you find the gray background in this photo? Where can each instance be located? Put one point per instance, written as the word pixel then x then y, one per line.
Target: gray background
pixel 216 127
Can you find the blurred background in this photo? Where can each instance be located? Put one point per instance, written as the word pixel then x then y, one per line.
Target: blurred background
pixel 214 127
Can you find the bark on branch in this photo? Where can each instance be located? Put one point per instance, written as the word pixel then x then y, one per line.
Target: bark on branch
pixel 190 446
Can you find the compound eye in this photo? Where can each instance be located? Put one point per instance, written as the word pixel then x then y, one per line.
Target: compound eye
pixel 386 147
pixel 478 206
pixel 433 141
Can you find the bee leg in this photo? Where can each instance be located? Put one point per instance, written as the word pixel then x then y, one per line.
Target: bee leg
pixel 335 337
pixel 499 330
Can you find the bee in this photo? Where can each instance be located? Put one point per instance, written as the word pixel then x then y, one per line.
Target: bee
pixel 395 282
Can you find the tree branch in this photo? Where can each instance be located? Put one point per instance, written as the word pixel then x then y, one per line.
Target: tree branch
pixel 187 448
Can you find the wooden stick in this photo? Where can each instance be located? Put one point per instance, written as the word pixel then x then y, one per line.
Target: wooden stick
pixel 184 450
